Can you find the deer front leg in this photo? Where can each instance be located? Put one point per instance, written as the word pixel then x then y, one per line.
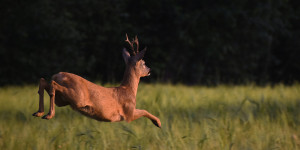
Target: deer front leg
pixel 143 113
pixel 42 86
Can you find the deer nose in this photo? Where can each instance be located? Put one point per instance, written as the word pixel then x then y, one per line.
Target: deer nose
pixel 149 72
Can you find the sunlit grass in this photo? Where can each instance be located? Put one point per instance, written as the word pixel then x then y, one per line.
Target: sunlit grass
pixel 193 117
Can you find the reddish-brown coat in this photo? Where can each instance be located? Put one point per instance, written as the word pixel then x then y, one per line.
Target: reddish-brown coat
pixel 100 103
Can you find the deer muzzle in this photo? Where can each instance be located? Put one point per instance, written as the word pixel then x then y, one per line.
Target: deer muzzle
pixel 149 72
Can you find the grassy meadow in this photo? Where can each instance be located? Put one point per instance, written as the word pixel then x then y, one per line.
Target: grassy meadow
pixel 193 117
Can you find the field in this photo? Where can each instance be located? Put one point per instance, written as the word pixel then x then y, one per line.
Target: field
pixel 193 117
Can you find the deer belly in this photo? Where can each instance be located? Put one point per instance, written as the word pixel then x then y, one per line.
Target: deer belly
pixel 59 100
pixel 89 111
pixel 107 115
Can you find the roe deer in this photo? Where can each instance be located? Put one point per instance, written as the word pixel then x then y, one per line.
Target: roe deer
pixel 100 103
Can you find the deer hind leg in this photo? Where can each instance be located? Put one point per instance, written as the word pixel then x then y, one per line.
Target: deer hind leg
pixel 42 86
pixel 143 113
pixel 52 89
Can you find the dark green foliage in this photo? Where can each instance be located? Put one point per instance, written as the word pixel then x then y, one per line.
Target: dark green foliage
pixel 194 42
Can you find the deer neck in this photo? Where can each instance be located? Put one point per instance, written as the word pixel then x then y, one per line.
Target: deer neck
pixel 130 81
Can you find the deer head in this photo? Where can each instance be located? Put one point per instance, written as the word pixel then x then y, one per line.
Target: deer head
pixel 135 63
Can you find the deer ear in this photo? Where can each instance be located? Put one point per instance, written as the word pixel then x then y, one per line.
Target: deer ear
pixel 140 55
pixel 126 55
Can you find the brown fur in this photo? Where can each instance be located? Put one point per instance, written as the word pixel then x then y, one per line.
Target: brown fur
pixel 100 103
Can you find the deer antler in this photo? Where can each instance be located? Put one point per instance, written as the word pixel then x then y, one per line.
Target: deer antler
pixel 134 41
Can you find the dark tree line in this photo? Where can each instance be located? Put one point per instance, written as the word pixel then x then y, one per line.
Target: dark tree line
pixel 194 42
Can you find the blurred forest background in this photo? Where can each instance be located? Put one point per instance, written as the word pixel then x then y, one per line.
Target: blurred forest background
pixel 193 42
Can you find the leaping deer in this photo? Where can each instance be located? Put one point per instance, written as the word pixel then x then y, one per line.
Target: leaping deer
pixel 103 104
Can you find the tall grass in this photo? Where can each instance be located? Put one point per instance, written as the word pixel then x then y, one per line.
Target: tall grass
pixel 223 117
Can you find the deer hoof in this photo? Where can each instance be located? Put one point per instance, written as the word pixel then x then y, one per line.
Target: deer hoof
pixel 156 123
pixel 38 114
pixel 47 117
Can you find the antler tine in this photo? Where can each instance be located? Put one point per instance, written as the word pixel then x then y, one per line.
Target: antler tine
pixel 136 41
pixel 131 44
